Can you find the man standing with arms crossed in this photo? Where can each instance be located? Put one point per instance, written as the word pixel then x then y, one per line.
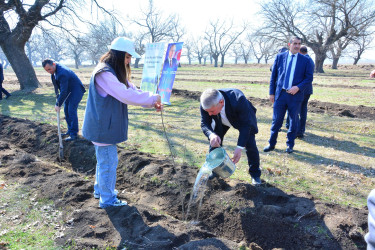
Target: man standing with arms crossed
pixel 71 92
pixel 291 73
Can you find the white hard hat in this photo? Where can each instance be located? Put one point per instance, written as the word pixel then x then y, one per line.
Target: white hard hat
pixel 126 45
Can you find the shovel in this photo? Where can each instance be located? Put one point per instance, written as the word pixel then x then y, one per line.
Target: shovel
pixel 61 148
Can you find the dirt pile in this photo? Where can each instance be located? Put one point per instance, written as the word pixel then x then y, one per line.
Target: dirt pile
pixel 233 213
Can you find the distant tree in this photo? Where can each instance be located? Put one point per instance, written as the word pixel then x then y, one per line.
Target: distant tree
pixel 99 36
pixel 220 36
pixel 75 49
pixel 261 47
pixel 140 46
pixel 27 15
pixel 32 49
pixel 200 49
pixel 245 50
pixel 189 51
pixel 359 45
pixel 236 52
pixel 337 50
pixel 155 24
pixel 319 23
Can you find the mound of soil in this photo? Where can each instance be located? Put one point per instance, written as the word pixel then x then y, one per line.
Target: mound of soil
pixel 314 106
pixel 233 213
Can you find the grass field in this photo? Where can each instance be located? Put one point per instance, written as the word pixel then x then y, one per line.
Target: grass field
pixel 335 162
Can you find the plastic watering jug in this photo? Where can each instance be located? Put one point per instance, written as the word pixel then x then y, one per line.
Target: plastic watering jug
pixel 220 163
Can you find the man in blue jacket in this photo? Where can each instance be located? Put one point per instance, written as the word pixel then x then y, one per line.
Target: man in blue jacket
pixel 2 90
pixel 69 90
pixel 306 96
pixel 291 73
pixel 225 108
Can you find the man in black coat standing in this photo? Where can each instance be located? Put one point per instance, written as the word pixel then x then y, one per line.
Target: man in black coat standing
pixel 2 90
pixel 225 108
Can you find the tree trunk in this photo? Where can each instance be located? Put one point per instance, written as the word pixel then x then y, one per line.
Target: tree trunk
pixel 21 65
pixel 76 61
pixel 222 61
pixel 200 60
pixel 335 62
pixel 216 59
pixel 356 60
pixel 259 60
pixel 245 60
pixel 319 62
pixel 136 63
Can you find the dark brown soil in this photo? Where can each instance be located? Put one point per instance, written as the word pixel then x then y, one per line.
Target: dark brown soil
pixel 314 106
pixel 233 213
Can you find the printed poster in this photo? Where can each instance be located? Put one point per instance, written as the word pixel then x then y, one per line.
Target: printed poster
pixel 168 74
pixel 153 62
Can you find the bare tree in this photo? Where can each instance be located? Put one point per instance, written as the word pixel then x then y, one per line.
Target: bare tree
pixel 261 47
pixel 236 52
pixel 188 44
pixel 75 49
pixel 32 49
pixel 158 26
pixel 200 49
pixel 359 45
pixel 178 30
pixel 28 14
pixel 245 50
pixel 319 23
pixel 220 36
pixel 140 46
pixel 99 37
pixel 337 50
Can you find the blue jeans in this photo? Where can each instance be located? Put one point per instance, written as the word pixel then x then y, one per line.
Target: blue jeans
pixel 105 176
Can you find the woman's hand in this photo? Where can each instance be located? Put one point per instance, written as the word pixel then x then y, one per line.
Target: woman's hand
pixel 158 105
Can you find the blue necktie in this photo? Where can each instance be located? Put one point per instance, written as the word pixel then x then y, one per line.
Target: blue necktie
pixel 286 83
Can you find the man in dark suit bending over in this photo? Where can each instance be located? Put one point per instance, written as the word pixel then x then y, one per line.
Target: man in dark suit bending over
pixel 291 73
pixel 225 108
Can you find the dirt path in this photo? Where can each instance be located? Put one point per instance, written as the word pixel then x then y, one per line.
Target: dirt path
pixel 233 212
pixel 360 111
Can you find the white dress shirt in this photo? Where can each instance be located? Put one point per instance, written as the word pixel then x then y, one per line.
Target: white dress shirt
pixel 293 67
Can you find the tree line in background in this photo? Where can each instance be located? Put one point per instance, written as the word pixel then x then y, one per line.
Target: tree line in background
pixel 331 28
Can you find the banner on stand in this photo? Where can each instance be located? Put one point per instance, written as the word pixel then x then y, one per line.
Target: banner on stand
pixel 152 66
pixel 168 74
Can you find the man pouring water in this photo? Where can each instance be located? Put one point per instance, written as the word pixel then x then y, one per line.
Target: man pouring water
pixel 225 108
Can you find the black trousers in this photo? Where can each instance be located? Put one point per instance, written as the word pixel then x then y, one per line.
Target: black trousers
pixel 2 90
pixel 251 152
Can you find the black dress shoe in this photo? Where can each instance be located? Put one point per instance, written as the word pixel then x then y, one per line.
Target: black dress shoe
pixel 300 136
pixel 65 134
pixel 289 150
pixel 268 148
pixel 7 96
pixel 71 138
